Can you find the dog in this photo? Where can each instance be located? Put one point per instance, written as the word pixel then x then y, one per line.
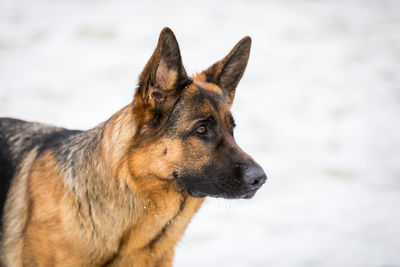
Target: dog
pixel 122 193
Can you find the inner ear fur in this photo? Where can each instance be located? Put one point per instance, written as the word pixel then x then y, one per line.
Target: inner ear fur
pixel 163 77
pixel 227 72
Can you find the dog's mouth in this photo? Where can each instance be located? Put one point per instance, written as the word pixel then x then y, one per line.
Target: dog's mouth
pixel 245 194
pixel 249 195
pixel 196 194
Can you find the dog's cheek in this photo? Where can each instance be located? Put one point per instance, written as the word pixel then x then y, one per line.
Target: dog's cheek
pixel 158 160
pixel 172 156
pixel 197 155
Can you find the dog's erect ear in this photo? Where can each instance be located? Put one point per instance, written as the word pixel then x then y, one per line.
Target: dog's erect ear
pixel 227 72
pixel 163 76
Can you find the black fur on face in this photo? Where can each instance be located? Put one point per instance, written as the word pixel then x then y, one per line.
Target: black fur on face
pixel 223 177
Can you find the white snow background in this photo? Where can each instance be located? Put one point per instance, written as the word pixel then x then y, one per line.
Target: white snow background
pixel 318 108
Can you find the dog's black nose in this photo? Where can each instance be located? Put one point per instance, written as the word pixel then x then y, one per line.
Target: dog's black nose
pixel 254 177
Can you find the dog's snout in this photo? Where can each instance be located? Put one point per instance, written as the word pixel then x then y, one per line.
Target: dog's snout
pixel 254 177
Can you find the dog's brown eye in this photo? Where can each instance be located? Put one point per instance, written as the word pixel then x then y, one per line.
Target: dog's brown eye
pixel 202 130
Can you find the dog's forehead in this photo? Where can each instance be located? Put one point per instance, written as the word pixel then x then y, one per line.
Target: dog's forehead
pixel 205 100
pixel 200 81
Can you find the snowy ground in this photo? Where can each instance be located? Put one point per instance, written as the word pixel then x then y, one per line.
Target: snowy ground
pixel 318 107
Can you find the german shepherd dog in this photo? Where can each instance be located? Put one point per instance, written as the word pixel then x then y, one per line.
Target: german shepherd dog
pixel 122 193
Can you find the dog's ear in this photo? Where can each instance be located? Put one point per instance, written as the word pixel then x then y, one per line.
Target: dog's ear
pixel 162 78
pixel 227 72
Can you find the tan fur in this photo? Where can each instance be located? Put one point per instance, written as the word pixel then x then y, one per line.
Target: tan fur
pixel 16 213
pixel 45 192
pixel 200 80
pixel 117 138
pixel 166 78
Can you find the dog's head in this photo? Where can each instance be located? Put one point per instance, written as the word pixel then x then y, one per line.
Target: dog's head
pixel 185 127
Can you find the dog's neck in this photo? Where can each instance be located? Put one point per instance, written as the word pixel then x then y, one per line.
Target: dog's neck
pixel 117 135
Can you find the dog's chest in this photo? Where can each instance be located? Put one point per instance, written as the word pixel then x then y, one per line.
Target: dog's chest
pixel 157 216
pixel 155 234
pixel 154 217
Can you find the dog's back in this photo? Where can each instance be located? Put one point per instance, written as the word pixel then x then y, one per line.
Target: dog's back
pixel 16 138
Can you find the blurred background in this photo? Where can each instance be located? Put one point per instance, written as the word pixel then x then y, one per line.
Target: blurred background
pixel 318 108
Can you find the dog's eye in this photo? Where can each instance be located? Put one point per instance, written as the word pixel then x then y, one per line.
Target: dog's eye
pixel 201 130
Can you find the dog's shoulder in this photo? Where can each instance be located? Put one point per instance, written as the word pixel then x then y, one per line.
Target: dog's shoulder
pixel 17 137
